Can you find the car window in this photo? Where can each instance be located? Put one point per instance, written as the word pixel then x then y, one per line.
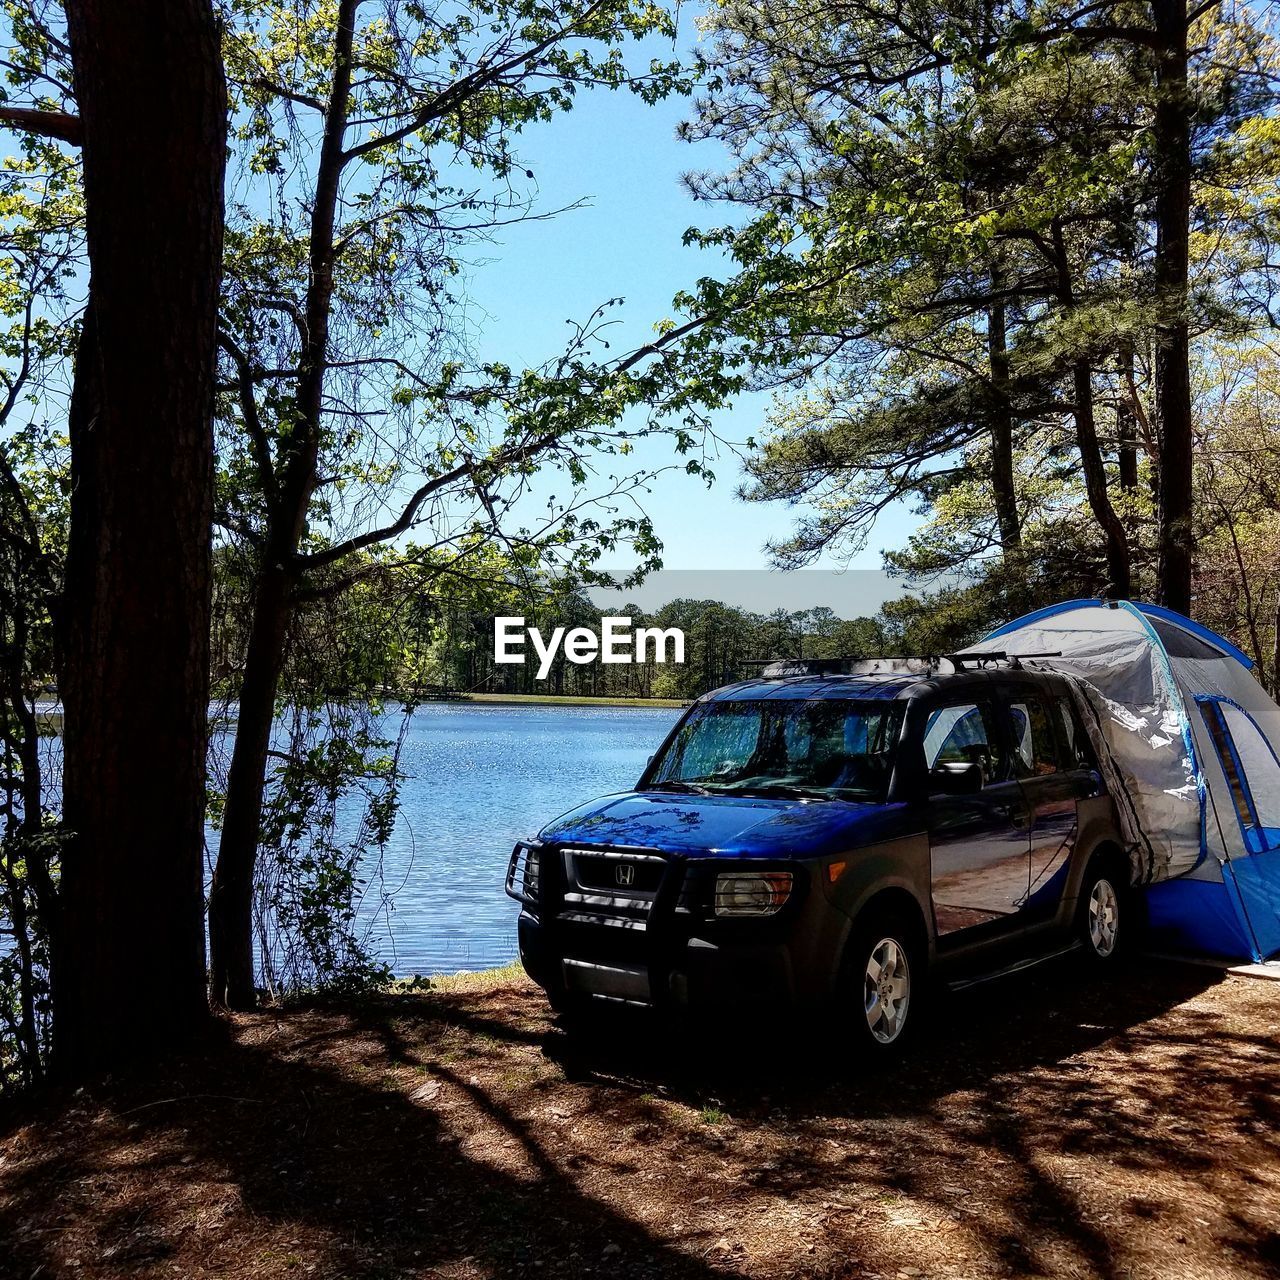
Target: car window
pixel 963 734
pixel 844 748
pixel 723 738
pixel 1035 749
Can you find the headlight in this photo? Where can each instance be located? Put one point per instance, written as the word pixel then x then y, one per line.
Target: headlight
pixel 533 873
pixel 751 893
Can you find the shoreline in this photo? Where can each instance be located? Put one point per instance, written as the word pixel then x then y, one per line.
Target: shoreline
pixel 49 717
pixel 563 700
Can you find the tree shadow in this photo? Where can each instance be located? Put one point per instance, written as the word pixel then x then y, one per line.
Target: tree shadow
pixel 312 1168
pixel 1023 1093
pixel 1048 1124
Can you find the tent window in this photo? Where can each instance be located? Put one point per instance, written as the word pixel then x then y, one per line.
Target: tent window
pixel 1179 643
pixel 1252 771
pixel 1079 754
pixel 1035 750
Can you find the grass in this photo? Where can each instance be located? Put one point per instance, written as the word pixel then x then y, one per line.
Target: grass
pixel 479 980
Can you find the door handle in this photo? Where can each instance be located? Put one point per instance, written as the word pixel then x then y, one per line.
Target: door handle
pixel 1013 813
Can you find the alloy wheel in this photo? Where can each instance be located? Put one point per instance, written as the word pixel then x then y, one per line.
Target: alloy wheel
pixel 1104 918
pixel 887 990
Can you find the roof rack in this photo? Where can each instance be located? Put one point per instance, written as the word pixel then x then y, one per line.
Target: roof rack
pixel 924 665
pixel 784 668
pixel 996 656
pixel 816 666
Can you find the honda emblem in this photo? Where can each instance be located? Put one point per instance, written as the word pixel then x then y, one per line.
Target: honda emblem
pixel 626 874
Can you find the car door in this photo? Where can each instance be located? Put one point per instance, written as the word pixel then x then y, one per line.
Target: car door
pixel 978 827
pixel 1051 759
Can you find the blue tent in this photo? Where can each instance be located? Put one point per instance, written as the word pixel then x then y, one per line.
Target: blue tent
pixel 1190 742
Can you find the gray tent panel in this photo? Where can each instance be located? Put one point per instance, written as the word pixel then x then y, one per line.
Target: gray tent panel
pixel 1190 745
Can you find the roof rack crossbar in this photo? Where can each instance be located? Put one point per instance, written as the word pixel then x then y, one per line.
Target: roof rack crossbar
pixel 984 658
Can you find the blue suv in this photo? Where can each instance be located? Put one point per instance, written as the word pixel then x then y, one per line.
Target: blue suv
pixel 832 839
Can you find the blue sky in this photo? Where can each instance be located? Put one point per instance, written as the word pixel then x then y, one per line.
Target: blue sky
pixel 623 157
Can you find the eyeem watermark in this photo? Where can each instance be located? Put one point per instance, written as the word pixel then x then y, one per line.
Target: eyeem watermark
pixel 616 642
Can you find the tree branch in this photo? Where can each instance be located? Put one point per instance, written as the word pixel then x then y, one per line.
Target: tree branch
pixel 460 91
pixel 249 411
pixel 48 124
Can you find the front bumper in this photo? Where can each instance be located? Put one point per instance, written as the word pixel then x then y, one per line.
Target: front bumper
pixel 659 943
pixel 687 973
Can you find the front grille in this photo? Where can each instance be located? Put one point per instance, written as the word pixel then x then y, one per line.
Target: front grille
pixel 615 887
pixel 609 872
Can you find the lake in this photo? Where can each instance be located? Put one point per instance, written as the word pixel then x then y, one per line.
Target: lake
pixel 482 777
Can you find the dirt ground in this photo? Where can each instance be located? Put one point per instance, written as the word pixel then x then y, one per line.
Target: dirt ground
pixel 1049 1125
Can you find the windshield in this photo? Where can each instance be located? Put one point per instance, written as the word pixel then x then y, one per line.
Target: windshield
pixel 829 749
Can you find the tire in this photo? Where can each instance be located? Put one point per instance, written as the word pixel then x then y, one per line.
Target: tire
pixel 883 986
pixel 1106 916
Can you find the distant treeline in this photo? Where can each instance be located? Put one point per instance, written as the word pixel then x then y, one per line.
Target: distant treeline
pixel 722 644
pixel 427 630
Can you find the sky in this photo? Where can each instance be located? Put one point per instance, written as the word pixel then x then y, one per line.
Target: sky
pixel 623 158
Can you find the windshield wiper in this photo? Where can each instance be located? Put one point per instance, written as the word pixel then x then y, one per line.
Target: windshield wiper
pixel 786 789
pixel 676 784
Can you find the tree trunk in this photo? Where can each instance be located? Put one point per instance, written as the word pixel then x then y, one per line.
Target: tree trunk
pixel 1171 138
pixel 38 880
pixel 1095 483
pixel 1275 651
pixel 128 965
pixel 231 968
pixel 1002 479
pixel 1091 461
pixel 1126 426
pixel 231 899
